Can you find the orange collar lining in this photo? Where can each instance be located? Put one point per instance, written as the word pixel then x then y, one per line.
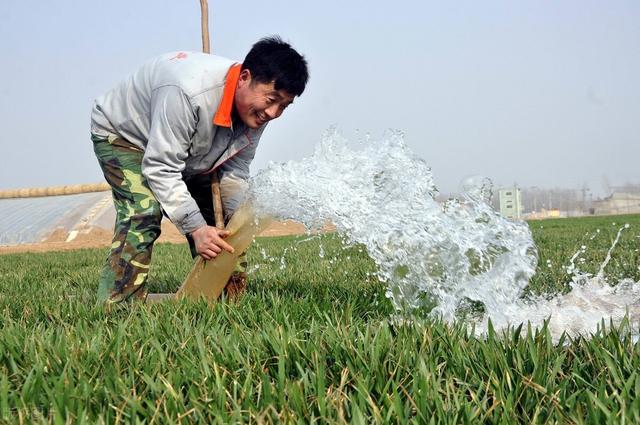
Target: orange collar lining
pixel 222 118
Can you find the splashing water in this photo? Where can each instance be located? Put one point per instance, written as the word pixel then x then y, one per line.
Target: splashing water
pixel 440 257
pixel 591 299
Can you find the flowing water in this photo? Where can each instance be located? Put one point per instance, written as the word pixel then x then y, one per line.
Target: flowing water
pixel 447 258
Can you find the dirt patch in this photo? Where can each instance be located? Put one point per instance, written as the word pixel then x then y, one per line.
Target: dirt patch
pixel 98 237
pixel 282 228
pixel 289 227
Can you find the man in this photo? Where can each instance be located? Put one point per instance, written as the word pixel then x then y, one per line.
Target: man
pixel 159 135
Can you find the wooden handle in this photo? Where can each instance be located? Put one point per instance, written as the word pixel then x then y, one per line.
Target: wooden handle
pixel 217 200
pixel 204 23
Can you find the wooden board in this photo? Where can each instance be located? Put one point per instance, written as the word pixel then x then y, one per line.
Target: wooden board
pixel 208 278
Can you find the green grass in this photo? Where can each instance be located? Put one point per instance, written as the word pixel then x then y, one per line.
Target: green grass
pixel 310 342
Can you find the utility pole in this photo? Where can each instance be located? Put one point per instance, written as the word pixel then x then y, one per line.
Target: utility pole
pixel 585 189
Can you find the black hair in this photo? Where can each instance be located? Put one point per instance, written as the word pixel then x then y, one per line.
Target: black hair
pixel 273 60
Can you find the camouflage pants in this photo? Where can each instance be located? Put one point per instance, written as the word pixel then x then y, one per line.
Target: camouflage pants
pixel 138 218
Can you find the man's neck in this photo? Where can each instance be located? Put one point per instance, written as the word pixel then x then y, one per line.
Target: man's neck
pixel 236 122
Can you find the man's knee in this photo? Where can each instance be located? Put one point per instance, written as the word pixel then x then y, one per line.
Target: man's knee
pixel 144 226
pixel 137 226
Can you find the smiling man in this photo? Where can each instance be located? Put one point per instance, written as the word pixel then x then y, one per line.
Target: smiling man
pixel 161 133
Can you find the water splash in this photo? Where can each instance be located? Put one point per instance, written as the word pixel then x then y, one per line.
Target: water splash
pixel 440 257
pixel 591 300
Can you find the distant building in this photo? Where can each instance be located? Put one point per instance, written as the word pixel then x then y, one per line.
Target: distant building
pixel 617 203
pixel 511 203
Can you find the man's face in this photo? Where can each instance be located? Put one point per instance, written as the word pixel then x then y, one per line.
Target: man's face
pixel 257 103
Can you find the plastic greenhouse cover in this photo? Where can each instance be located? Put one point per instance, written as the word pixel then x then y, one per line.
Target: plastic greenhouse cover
pixel 30 220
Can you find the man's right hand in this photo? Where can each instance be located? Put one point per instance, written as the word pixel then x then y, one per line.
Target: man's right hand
pixel 209 241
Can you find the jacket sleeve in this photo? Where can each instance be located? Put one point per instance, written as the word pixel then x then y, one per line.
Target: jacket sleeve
pixel 234 175
pixel 173 123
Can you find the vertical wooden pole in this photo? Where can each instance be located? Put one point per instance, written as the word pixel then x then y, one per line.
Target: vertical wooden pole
pixel 215 181
pixel 204 23
pixel 217 200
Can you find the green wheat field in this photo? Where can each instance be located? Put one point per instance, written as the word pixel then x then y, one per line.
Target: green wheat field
pixel 311 341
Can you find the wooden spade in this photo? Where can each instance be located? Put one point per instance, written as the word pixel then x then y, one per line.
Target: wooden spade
pixel 208 278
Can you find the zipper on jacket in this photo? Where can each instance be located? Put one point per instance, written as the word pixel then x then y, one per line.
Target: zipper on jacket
pixel 231 156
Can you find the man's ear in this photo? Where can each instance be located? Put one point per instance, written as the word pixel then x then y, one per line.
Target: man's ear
pixel 245 78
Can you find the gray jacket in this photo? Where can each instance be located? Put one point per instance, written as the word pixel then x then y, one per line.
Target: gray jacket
pixel 177 108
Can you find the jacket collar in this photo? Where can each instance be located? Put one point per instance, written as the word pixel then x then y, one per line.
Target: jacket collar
pixel 222 118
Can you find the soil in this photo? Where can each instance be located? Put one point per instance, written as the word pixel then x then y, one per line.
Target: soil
pixel 98 237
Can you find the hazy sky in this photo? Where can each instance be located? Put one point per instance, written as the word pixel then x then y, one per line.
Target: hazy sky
pixel 543 93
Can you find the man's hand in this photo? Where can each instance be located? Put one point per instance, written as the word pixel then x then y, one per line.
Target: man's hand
pixel 209 241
